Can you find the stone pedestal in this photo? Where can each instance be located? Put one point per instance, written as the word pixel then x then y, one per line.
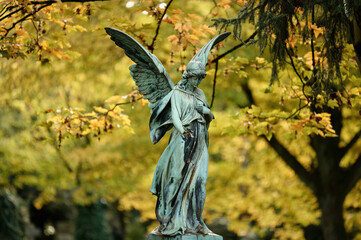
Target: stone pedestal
pixel 212 236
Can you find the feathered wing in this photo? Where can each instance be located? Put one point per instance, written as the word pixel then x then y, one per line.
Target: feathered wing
pixel 150 76
pixel 202 54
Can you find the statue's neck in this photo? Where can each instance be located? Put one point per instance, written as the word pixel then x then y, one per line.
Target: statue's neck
pixel 189 87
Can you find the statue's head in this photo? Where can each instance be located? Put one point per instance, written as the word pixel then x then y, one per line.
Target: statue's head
pixel 194 73
pixel 194 68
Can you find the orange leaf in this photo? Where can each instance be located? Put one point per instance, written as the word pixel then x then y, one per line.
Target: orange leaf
pixel 173 39
pixel 194 17
pixel 177 11
pixel 224 4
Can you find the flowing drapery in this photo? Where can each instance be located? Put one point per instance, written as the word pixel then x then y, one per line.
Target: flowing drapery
pixel 181 174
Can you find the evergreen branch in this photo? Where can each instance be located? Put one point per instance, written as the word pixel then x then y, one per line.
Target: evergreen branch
pixel 151 46
pixel 235 47
pixel 292 162
pixel 353 174
pixel 214 84
pixel 352 142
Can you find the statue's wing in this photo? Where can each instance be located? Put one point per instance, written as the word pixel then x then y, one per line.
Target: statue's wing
pixel 150 76
pixel 202 55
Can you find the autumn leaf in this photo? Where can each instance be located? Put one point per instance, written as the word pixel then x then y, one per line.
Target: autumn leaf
pixel 225 4
pixel 194 17
pixel 193 37
pixel 207 29
pixel 332 103
pixel 177 11
pixel 291 41
pixel 114 99
pixel 173 39
pixel 100 109
pixel 92 114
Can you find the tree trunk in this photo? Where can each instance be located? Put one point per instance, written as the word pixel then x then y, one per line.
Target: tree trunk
pixel 332 221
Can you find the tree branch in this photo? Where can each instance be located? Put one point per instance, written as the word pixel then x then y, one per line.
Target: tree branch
pixel 294 66
pixel 23 19
pixel 55 1
pixel 248 91
pixel 235 47
pixel 65 1
pixel 353 174
pixel 356 37
pixel 151 46
pixel 297 111
pixel 214 84
pixel 312 45
pixel 292 162
pixel 352 142
pixel 62 158
pixel 5 9
pixel 12 13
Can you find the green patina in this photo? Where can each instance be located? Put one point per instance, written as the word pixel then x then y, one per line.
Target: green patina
pixel 210 236
pixel 181 174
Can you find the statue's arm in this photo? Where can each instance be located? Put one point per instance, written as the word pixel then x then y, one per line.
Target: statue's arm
pixel 204 108
pixel 177 123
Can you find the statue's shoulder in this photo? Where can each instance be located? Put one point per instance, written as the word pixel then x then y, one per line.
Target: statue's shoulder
pixel 179 90
pixel 200 93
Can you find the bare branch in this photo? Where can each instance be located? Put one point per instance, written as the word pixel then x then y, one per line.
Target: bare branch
pixel 151 46
pixel 214 84
pixel 235 47
pixel 293 163
pixel 352 142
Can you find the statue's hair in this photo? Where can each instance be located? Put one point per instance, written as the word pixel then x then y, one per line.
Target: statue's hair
pixel 194 68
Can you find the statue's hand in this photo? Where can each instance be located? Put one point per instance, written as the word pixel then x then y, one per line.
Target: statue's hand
pixel 187 134
pixel 207 111
pixel 199 107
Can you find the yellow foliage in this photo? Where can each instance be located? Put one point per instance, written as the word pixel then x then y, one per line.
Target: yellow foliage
pixel 100 109
pixel 225 4
pixel 114 99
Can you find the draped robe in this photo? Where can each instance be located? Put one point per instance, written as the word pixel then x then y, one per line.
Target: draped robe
pixel 181 174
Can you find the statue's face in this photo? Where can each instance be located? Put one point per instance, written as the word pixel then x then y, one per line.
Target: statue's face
pixel 195 80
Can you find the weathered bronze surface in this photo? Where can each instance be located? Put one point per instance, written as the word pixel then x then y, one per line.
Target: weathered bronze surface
pixel 180 177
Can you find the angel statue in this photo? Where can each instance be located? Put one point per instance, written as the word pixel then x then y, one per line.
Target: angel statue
pixel 180 177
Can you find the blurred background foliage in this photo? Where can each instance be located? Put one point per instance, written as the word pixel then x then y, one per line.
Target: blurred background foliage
pixel 76 160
